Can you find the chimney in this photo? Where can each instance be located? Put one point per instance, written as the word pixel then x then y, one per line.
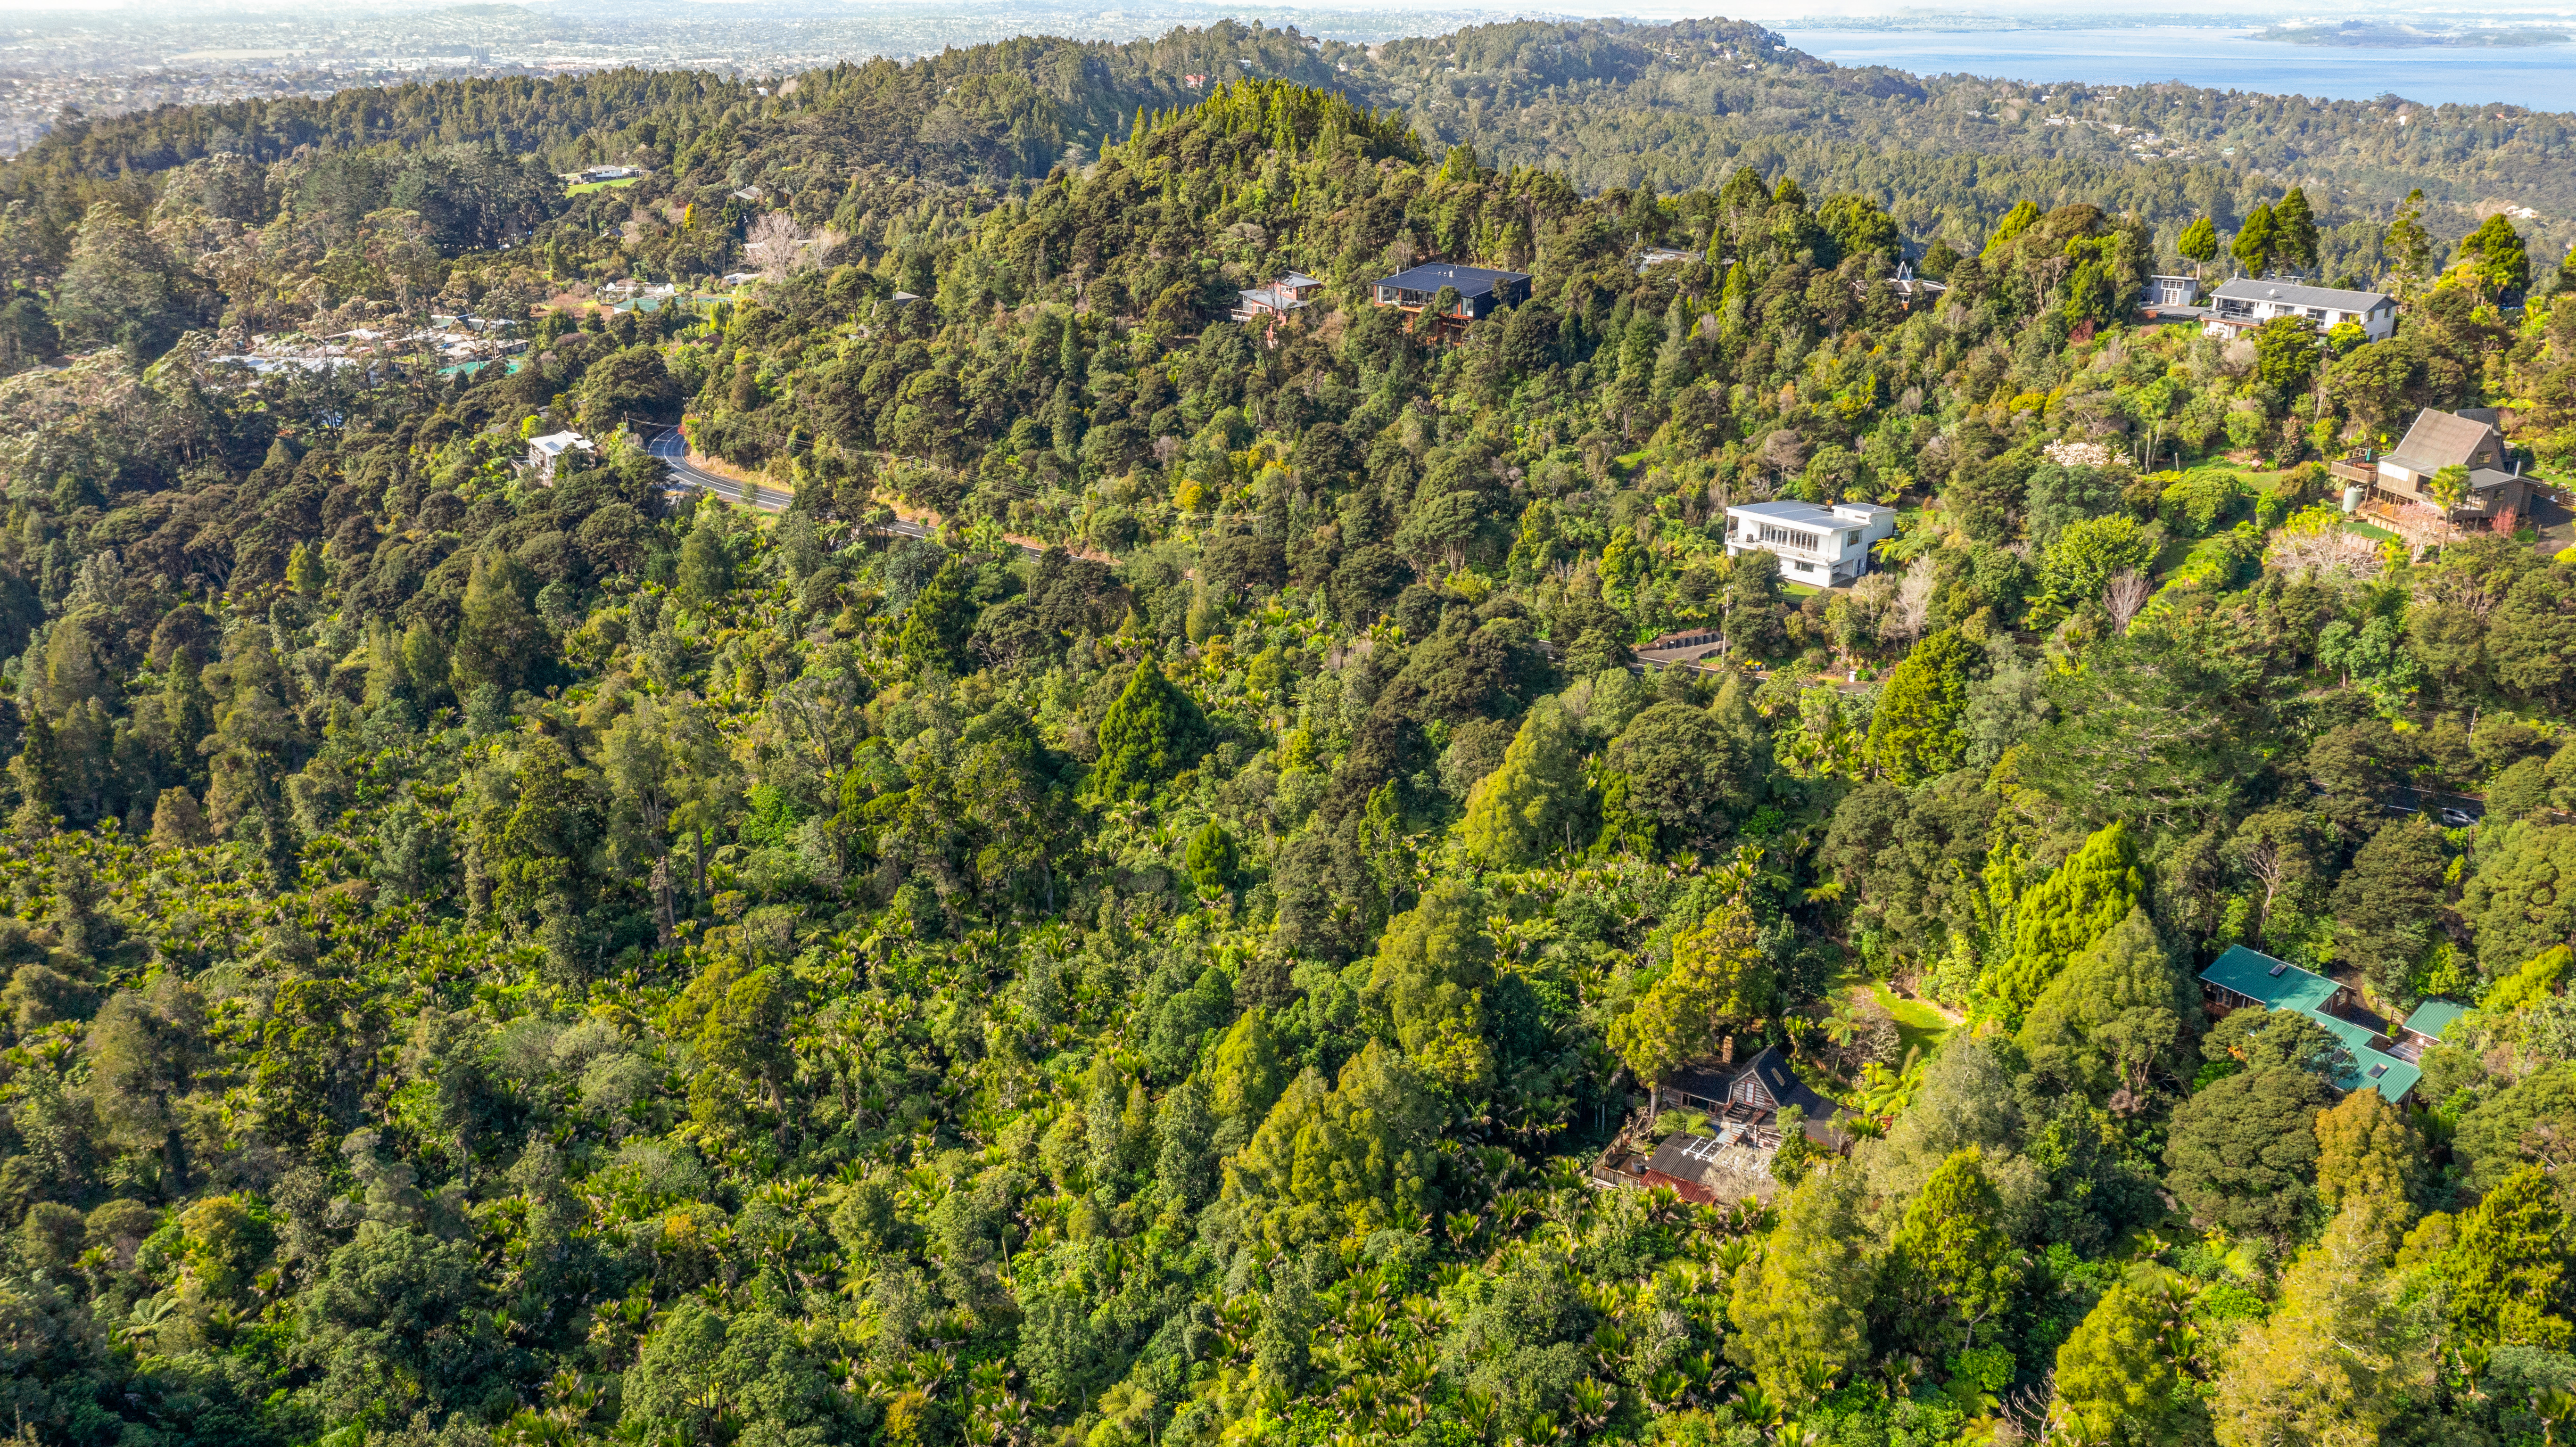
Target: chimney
pixel 1726 1052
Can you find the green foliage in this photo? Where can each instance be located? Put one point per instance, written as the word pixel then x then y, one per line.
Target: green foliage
pixel 935 630
pixel 2115 1018
pixel 1530 806
pixel 1799 1307
pixel 2494 257
pixel 1326 1162
pixel 2538 979
pixel 2060 917
pixel 2368 1152
pixel 499 636
pixel 1213 859
pixel 1690 772
pixel 2243 1149
pixel 2199 241
pixel 2258 242
pixel 606 969
pixel 2507 1264
pixel 2387 906
pixel 706 563
pixel 1950 1266
pixel 2515 1124
pixel 2257 1039
pixel 1915 735
pixel 2084 560
pixel 699 1369
pixel 1717 979
pixel 2512 902
pixel 1152 732
pixel 1433 970
pixel 2121 1374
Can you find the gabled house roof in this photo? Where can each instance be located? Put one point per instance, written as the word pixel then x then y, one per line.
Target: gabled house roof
pixel 2432 1018
pixel 2299 294
pixel 1714 1082
pixel 2443 439
pixel 2280 985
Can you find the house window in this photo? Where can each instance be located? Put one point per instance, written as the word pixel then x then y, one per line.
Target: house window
pixel 1852 539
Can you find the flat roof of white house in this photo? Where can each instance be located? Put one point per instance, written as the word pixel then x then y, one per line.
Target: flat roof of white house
pixel 556 444
pixel 2292 293
pixel 1807 514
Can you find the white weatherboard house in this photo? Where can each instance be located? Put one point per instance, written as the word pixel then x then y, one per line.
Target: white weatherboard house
pixel 1822 546
pixel 2245 303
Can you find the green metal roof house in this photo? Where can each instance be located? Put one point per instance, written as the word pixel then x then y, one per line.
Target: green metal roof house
pixel 2430 1019
pixel 2374 1055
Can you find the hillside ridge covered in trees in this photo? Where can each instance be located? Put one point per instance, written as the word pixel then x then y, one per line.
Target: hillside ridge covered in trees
pixel 492 960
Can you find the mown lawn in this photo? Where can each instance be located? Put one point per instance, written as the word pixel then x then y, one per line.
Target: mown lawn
pixel 1917 1024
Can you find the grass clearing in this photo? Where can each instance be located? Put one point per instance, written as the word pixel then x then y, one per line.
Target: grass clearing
pixel 1918 1024
pixel 589 186
pixel 2170 556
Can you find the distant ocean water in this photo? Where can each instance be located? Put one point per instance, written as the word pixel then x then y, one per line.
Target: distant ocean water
pixel 2541 77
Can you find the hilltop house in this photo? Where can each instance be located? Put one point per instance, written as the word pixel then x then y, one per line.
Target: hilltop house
pixel 1277 299
pixel 2376 1054
pixel 1822 546
pixel 2241 305
pixel 2467 439
pixel 2163 291
pixel 1480 289
pixel 2172 299
pixel 1907 288
pixel 544 452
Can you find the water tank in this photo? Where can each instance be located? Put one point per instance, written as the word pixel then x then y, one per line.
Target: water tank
pixel 2352 498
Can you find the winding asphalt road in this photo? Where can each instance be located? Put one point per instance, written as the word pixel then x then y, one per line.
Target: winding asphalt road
pixel 673 449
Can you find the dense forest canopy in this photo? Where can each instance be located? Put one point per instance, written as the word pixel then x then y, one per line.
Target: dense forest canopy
pixel 502 959
pixel 1607 104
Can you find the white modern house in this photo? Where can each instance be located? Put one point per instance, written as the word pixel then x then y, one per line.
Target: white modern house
pixel 1824 547
pixel 544 452
pixel 2246 303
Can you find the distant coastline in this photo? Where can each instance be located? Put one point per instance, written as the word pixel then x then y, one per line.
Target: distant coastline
pixel 2358 34
pixel 2381 35
pixel 1965 21
pixel 2227 58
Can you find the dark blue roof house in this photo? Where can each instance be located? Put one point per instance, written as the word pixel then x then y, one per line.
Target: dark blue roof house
pixel 1480 290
